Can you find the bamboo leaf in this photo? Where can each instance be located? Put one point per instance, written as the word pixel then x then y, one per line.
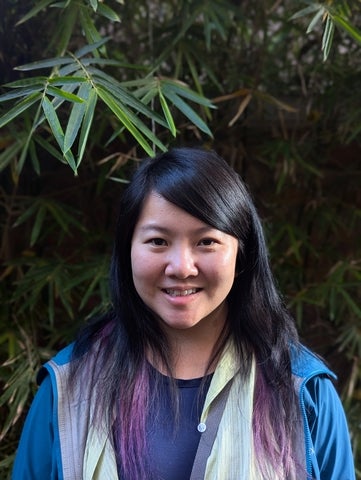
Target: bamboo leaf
pixel 62 5
pixel 145 90
pixel 351 303
pixel 76 116
pixel 305 11
pixel 39 220
pixel 69 157
pixel 57 92
pixel 19 396
pixel 186 25
pixel 64 217
pixel 108 61
pixel 38 81
pixel 218 22
pixel 72 68
pixel 34 11
pixel 98 266
pixel 193 70
pixel 9 154
pixel 117 110
pixel 87 122
pixel 187 111
pixel 196 81
pixel 185 92
pixel 315 19
pixel 24 151
pixel 167 114
pixel 99 274
pixel 147 82
pixel 27 214
pixel 51 304
pixel 90 48
pixel 62 37
pixel 148 97
pixel 273 100
pixel 117 91
pixel 94 4
pixel 18 94
pixel 140 125
pixel 65 80
pixel 57 130
pixel 55 209
pixel 49 148
pixel 20 108
pixel 108 12
pixel 294 243
pixel 64 300
pixel 49 63
pixel 34 156
pixel 53 121
pixel 91 33
pixel 327 37
pixel 347 27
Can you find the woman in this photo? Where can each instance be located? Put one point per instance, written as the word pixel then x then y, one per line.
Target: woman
pixel 197 372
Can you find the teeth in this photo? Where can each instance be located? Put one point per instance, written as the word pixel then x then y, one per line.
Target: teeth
pixel 180 293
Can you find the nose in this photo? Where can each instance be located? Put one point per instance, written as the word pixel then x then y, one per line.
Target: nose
pixel 181 263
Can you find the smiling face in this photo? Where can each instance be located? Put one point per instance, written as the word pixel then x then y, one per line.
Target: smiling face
pixel 183 269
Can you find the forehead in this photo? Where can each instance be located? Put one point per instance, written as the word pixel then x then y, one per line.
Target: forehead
pixel 159 212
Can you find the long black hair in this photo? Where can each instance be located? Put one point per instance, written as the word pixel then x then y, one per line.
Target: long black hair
pixel 205 186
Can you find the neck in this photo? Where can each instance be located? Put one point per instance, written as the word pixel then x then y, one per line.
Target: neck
pixel 194 349
pixel 194 362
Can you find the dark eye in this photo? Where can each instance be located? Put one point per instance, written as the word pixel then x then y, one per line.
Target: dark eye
pixel 158 242
pixel 207 242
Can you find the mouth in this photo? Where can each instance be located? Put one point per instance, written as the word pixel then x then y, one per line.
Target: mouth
pixel 180 293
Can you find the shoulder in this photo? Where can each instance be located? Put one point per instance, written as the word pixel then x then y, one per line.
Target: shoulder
pixel 306 364
pixel 325 424
pixel 62 358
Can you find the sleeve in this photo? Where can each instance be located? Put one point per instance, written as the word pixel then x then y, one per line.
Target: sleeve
pixel 329 431
pixel 36 458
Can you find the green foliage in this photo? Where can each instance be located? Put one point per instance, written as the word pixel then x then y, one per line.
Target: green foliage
pixel 331 14
pixel 80 73
pixel 274 87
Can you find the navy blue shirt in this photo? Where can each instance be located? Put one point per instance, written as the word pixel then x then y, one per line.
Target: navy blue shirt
pixel 173 445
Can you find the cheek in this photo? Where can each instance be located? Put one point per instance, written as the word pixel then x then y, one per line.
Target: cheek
pixel 226 272
pixel 228 264
pixel 144 267
pixel 222 276
pixel 136 264
pixel 133 260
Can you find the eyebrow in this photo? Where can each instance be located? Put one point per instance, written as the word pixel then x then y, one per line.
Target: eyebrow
pixel 158 228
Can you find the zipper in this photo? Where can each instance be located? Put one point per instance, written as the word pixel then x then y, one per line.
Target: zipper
pixel 306 427
pixel 306 430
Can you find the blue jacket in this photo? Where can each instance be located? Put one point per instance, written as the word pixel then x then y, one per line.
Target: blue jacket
pixel 326 438
pixel 327 441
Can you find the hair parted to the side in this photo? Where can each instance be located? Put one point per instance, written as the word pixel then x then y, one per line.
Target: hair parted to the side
pixel 204 185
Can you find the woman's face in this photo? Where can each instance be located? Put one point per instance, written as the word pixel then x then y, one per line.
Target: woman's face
pixel 183 269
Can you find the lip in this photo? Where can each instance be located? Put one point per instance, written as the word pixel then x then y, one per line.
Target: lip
pixel 180 291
